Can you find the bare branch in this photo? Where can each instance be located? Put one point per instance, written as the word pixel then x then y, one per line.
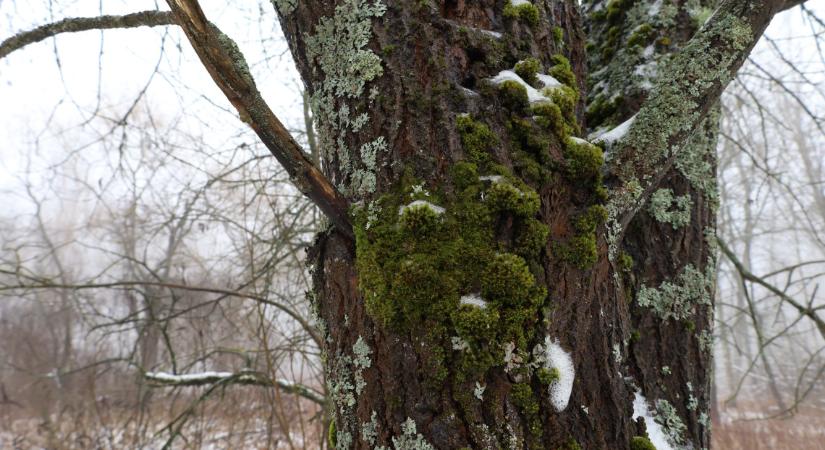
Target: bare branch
pixel 792 3
pixel 73 25
pixel 227 66
pixel 243 377
pixel 749 276
pixel 45 284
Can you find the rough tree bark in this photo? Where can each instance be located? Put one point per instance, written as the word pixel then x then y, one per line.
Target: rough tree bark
pixel 492 244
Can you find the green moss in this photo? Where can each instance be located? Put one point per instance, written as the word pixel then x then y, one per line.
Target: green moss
pixel 388 50
pixel 584 160
pixel 526 12
pixel 580 250
pixel 465 173
pixel 528 69
pixel 507 280
pixel 615 10
pixel 532 238
pixel 331 434
pixel 641 36
pixel 563 71
pixel 504 196
pixel 558 35
pixel 641 443
pixel 566 98
pixel 525 401
pixel 625 262
pixel 477 138
pixel 513 95
pixel 600 109
pixel 547 376
pixel 548 115
pixel 415 266
pixel 573 444
pixel 420 221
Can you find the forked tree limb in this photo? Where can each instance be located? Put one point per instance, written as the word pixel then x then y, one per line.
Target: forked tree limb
pixel 227 66
pixel 76 24
pixel 688 86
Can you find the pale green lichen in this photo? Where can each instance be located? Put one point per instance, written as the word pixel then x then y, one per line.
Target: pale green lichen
pixel 673 108
pixel 696 160
pixel 666 370
pixel 363 180
pixel 704 420
pixel 671 423
pixel 343 440
pixel 677 299
pixel 666 208
pixel 285 7
pixel 706 341
pixel 361 361
pixel 369 430
pixel 478 391
pixel 622 199
pixel 345 381
pixel 617 353
pixel 692 401
pixel 339 49
pixel 410 439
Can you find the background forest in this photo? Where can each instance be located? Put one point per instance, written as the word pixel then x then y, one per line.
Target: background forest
pixel 152 276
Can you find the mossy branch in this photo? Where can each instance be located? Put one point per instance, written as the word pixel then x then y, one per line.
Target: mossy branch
pixel 686 90
pixel 77 24
pixel 227 66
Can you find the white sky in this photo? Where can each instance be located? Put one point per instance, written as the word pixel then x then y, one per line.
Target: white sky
pixel 33 90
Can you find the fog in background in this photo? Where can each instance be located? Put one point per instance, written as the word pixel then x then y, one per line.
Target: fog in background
pixel 148 242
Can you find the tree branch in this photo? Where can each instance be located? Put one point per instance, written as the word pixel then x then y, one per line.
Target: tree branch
pixel 45 284
pixel 749 276
pixel 227 66
pixel 687 87
pixel 791 3
pixel 244 377
pixel 73 25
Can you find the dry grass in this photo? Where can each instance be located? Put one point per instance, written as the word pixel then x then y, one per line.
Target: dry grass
pixel 804 431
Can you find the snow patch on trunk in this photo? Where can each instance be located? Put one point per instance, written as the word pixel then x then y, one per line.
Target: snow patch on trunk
pixel 418 203
pixel 654 431
pixel 556 358
pixel 608 138
pixel 533 95
pixel 473 300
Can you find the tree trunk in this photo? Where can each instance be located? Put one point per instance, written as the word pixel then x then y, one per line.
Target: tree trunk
pixel 481 264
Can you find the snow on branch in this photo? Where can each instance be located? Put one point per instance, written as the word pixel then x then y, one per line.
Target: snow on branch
pixel 164 379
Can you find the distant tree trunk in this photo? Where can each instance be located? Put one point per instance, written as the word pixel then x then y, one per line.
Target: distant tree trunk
pixel 482 258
